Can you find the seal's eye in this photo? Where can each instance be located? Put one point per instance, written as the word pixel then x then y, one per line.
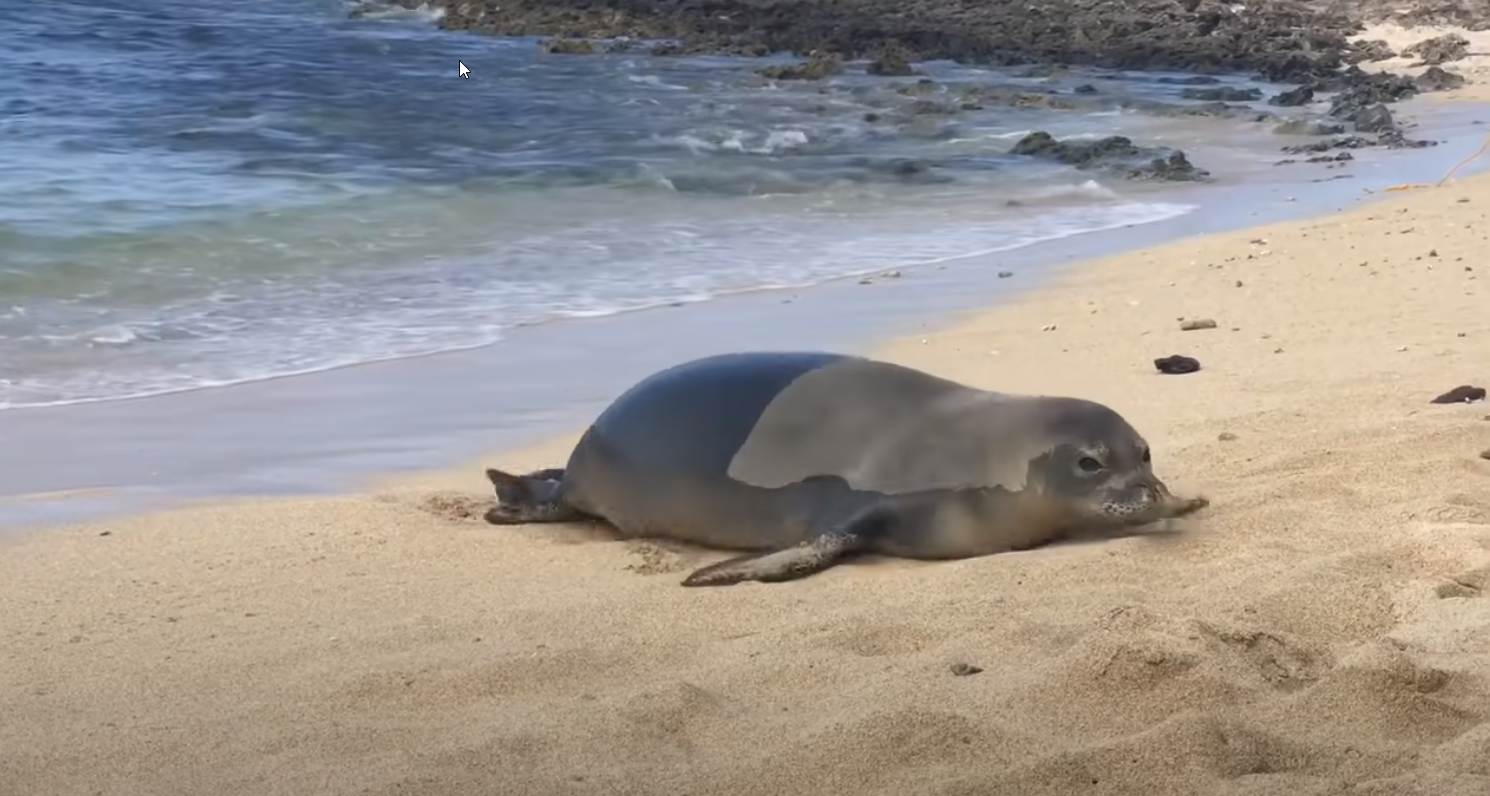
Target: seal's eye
pixel 1146 456
pixel 1089 465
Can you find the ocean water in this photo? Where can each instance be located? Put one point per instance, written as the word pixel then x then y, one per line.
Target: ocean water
pixel 206 192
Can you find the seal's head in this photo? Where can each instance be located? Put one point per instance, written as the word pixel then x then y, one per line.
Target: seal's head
pixel 1102 465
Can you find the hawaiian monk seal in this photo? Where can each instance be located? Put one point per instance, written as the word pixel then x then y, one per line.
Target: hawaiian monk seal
pixel 805 458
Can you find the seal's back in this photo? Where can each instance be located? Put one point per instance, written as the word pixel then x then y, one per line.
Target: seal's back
pixel 879 426
pixel 695 416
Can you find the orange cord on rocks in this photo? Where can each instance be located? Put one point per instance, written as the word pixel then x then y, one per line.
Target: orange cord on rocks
pixel 1407 186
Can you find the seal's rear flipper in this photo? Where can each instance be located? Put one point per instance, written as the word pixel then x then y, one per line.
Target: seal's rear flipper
pixel 534 497
pixel 519 490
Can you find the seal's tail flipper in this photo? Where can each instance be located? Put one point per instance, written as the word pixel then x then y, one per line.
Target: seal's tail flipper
pixel 518 490
pixel 534 497
pixel 798 561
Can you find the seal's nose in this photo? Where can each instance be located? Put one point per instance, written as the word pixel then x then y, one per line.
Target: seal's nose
pixel 1155 493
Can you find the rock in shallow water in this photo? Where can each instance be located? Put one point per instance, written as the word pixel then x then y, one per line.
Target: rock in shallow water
pixel 818 66
pixel 1226 94
pixel 1115 154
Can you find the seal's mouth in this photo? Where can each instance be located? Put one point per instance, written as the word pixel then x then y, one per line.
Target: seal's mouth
pixel 1150 502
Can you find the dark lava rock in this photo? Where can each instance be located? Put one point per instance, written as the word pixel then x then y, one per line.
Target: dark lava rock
pixel 923 86
pixel 1462 394
pixel 1437 79
pixel 1057 69
pixel 1281 40
pixel 1177 365
pixel 1375 119
pixel 1085 88
pixel 1115 154
pixel 818 66
pixel 1344 142
pixel 1226 94
pixel 568 46
pixel 1439 49
pixel 1469 14
pixel 1219 110
pixel 1359 90
pixel 1015 98
pixel 1394 139
pixel 909 168
pixel 925 107
pixel 1197 80
pixel 1308 127
pixel 893 63
pixel 1293 98
pixel 1374 50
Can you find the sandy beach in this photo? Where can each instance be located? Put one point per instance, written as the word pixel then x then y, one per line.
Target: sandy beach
pixel 1322 628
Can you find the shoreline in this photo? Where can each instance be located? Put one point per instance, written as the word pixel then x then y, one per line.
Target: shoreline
pixel 308 434
pixel 1321 628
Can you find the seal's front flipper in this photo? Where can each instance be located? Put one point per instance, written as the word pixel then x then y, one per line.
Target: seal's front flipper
pixel 811 556
pixel 534 497
pixel 797 561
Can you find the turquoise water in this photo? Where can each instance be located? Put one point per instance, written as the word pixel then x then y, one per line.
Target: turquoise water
pixel 209 192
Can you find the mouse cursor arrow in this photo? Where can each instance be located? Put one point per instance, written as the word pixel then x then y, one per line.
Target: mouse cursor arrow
pixel 464 72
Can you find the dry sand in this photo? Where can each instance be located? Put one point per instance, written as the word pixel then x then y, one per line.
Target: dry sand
pixel 1323 628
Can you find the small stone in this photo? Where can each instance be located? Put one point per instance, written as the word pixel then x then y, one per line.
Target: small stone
pixel 1049 327
pixel 1197 323
pixel 1226 436
pixel 965 669
pixel 891 275
pixel 1176 365
pixel 1485 454
pixel 1464 393
pixel 1007 274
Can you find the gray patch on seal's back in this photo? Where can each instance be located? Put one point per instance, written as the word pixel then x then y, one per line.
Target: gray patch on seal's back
pixel 977 439
pixel 889 429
